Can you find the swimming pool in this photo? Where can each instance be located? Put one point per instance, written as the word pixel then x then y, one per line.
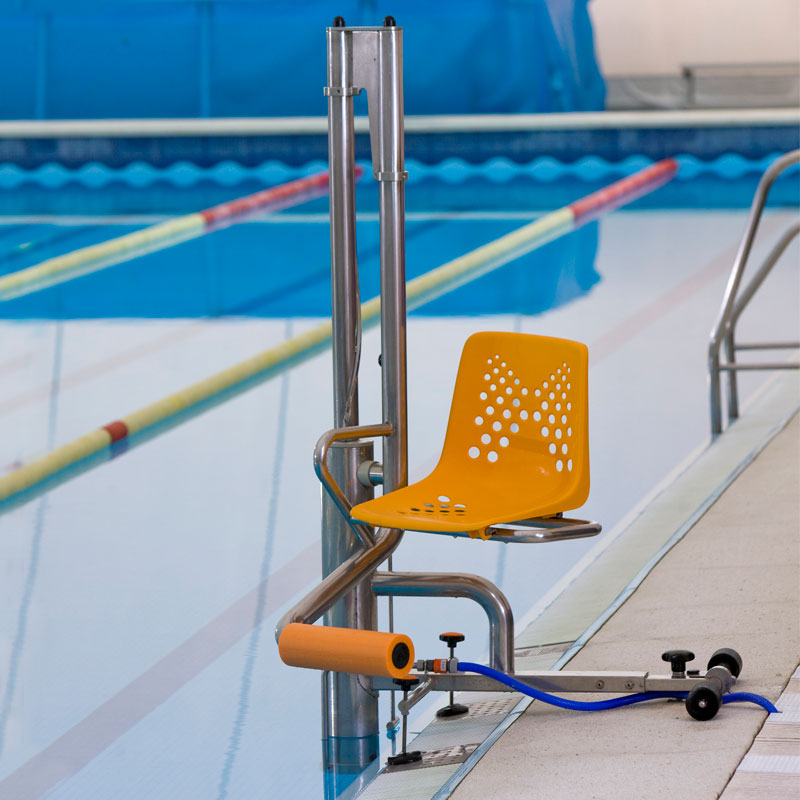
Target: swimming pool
pixel 137 654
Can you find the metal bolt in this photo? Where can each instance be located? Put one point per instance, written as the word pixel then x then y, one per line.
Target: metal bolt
pixel 629 685
pixel 600 684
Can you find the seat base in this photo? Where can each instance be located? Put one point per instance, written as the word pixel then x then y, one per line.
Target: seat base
pixel 424 507
pixel 531 531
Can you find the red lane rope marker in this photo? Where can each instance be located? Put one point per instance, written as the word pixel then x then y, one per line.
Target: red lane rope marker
pixel 158 237
pixel 117 430
pixel 623 191
pixel 277 197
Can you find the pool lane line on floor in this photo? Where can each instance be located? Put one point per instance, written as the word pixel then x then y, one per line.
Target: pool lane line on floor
pixel 420 290
pixel 95 257
pixel 18 641
pixel 88 738
pixel 257 632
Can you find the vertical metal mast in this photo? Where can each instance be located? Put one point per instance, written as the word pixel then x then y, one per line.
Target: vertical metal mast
pixel 350 738
pixel 344 267
pixel 386 131
pixel 371 59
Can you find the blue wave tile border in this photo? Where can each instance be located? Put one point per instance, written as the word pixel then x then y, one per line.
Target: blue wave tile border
pixel 452 170
pixel 751 142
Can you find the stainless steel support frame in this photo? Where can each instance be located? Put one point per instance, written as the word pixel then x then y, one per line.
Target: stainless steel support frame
pixel 350 721
pixel 349 573
pixel 453 584
pixel 735 302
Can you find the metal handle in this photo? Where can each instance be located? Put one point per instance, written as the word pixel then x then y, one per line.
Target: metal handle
pixel 454 584
pixel 362 532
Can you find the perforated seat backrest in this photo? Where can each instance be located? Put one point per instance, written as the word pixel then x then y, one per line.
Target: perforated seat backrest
pixel 520 413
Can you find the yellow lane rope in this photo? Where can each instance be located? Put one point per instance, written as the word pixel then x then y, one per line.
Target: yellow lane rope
pixel 420 290
pixel 86 260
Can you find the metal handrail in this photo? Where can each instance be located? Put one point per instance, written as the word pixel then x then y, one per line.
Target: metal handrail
pixel 733 303
pixel 362 532
pixel 455 584
pixel 339 582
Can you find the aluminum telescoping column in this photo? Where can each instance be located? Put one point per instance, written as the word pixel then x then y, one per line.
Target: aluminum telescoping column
pixel 350 737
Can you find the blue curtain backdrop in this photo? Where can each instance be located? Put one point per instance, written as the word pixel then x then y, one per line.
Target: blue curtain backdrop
pixel 91 59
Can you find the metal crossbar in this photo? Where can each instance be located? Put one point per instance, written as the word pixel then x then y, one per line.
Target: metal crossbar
pixel 735 301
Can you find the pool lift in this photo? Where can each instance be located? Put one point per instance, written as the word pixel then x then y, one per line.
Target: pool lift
pixel 509 469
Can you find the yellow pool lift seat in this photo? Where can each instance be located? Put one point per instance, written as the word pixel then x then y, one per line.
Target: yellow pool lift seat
pixel 516 448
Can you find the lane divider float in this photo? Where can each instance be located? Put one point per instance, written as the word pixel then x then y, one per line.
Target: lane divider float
pixel 420 290
pixel 96 257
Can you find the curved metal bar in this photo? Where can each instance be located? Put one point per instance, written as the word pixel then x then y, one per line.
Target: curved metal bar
pixel 473 587
pixel 323 596
pixel 722 329
pixel 363 532
pixel 545 530
pixel 769 262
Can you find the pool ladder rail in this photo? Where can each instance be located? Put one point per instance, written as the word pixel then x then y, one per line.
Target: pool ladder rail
pixel 735 301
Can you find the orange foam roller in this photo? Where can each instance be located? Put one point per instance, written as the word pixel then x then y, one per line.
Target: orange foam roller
pixel 346 650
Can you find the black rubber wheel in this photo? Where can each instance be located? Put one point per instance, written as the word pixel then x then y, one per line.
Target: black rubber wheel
pixel 725 657
pixel 703 701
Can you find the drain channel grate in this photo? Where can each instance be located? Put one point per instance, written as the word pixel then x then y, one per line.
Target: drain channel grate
pixel 487 708
pixel 484 716
pixel 438 758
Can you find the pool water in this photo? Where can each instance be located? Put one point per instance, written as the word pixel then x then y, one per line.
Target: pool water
pixel 138 601
pixel 281 268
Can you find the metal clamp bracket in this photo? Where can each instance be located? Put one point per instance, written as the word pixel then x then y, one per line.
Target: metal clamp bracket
pixel 390 176
pixel 341 91
pixel 362 532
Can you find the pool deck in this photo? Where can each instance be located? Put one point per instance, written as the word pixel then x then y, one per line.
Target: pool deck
pixel 731 581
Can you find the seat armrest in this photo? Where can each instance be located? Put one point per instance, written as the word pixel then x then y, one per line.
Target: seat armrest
pixel 362 532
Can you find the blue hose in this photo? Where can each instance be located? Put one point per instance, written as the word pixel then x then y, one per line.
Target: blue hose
pixel 749 697
pixel 602 705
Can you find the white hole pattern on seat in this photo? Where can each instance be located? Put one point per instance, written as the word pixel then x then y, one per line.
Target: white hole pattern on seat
pixel 442 508
pixel 547 402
